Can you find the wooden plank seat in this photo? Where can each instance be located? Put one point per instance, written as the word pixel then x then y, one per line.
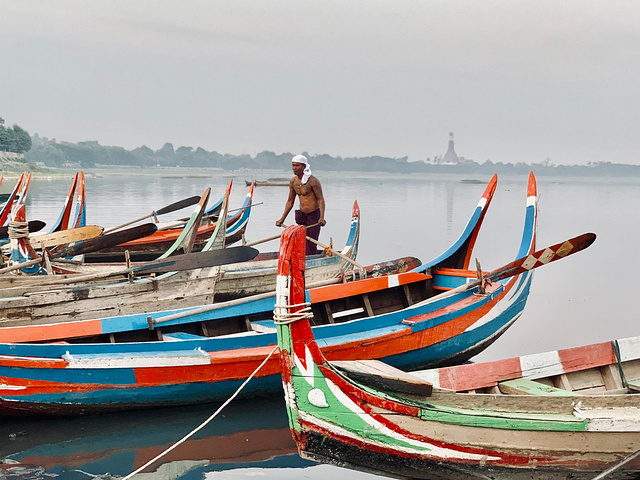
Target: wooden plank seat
pixel 175 336
pixel 526 386
pixel 264 326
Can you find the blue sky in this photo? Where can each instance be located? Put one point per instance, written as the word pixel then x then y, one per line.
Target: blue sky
pixel 514 81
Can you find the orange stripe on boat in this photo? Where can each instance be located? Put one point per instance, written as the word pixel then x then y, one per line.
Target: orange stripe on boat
pixel 34 333
pixel 331 292
pixel 30 362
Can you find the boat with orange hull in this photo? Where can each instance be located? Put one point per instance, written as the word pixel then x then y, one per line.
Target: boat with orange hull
pixel 414 319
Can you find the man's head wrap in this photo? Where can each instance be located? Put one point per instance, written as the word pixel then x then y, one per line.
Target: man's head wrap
pixel 307 169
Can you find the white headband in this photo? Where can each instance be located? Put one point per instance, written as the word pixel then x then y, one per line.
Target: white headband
pixel 307 170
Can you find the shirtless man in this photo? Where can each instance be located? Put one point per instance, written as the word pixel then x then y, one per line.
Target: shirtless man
pixel 309 191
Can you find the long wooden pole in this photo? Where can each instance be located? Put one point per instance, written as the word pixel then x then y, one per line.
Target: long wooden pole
pixel 524 264
pixel 258 242
pixel 335 252
pixel 179 205
pixel 238 301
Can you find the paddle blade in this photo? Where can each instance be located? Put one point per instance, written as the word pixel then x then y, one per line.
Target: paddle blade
pixel 63 237
pixel 107 241
pixel 191 261
pixel 543 257
pixel 179 205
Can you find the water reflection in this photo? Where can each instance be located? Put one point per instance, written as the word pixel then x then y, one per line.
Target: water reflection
pixel 247 434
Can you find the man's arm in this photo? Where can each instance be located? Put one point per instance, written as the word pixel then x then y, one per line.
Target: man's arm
pixel 287 206
pixel 317 191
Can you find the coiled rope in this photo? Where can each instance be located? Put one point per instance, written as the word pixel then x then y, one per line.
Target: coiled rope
pixel 18 229
pixel 282 315
pixel 203 424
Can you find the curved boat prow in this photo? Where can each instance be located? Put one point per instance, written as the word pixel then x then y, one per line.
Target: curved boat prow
pixel 528 243
pixel 77 195
pixel 63 220
pixel 80 213
pixel 237 225
pixel 351 246
pixel 459 254
pixel 217 239
pixel 14 196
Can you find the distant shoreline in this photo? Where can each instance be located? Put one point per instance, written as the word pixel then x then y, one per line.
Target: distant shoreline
pixel 242 175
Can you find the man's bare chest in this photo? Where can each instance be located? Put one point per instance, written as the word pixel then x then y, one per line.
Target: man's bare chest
pixel 301 189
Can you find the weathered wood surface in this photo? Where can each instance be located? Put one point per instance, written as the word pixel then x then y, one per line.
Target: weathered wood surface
pixel 186 289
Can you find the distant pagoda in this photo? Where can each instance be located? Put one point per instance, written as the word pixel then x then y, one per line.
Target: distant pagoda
pixel 450 157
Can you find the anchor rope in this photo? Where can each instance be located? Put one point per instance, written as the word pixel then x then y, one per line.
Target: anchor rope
pixel 203 424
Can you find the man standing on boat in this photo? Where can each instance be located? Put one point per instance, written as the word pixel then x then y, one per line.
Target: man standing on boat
pixel 309 191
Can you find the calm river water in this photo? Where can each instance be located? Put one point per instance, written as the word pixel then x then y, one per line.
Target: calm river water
pixel 586 298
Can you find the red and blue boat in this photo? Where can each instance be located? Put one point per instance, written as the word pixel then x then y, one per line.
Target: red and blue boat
pixel 571 413
pixel 415 319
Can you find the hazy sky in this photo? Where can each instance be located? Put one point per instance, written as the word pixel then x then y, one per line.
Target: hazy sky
pixel 514 80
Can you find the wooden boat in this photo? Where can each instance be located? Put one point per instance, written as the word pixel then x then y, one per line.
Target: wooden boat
pixel 77 197
pixel 62 260
pixel 151 247
pixel 270 182
pixel 16 198
pixel 203 354
pixel 62 299
pixel 563 414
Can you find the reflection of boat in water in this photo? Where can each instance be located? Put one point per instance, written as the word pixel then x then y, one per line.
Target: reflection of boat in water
pixel 270 182
pixel 118 444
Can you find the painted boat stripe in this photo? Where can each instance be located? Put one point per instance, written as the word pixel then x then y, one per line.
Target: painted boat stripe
pixel 541 365
pixel 166 359
pixel 34 333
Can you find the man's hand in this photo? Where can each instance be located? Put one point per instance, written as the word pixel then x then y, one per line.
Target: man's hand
pixel 322 222
pixel 279 223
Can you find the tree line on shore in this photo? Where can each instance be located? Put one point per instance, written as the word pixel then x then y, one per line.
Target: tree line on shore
pixel 14 139
pixel 42 153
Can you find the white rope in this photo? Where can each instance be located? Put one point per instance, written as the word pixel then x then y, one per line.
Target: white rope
pixel 18 229
pixel 281 317
pixel 203 424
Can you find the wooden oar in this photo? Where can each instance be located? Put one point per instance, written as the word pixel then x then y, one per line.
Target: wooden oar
pixel 34 226
pixel 91 245
pixel 335 252
pixel 238 301
pixel 176 263
pixel 62 237
pixel 107 241
pixel 179 205
pixel 258 242
pixel 524 264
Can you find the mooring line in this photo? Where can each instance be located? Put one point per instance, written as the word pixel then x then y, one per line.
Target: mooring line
pixel 203 424
pixel 617 465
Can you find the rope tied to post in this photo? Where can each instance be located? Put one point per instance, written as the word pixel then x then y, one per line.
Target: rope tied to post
pixel 18 230
pixel 282 314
